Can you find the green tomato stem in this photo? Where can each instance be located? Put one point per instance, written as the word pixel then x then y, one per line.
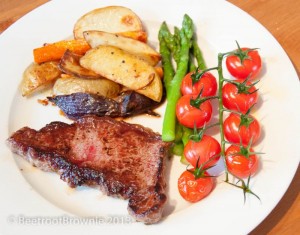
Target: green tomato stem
pixel 221 110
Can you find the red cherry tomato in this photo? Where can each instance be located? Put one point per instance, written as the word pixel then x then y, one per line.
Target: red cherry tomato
pixel 234 100
pixel 240 165
pixel 192 189
pixel 208 148
pixel 237 133
pixel 250 66
pixel 207 82
pixel 189 115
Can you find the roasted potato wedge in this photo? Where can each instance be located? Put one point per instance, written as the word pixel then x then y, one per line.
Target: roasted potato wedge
pixel 111 19
pixel 69 64
pixel 124 68
pixel 38 76
pixel 102 86
pixel 154 90
pixel 143 50
pixel 137 35
pixel 159 71
pixel 119 66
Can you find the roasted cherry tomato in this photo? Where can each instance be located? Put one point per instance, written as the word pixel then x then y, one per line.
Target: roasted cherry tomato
pixel 189 115
pixel 194 189
pixel 245 63
pixel 239 100
pixel 241 129
pixel 207 82
pixel 208 148
pixel 240 165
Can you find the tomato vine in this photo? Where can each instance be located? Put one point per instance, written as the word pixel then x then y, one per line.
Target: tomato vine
pixel 243 185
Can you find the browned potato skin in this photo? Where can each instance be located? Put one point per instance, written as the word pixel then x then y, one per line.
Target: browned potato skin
pixel 113 19
pixel 69 64
pixel 101 86
pixel 39 75
pixel 137 35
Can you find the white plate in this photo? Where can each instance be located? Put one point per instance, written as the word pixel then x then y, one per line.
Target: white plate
pixel 29 195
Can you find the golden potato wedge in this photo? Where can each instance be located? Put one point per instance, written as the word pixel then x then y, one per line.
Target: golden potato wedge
pixel 124 68
pixel 69 64
pixel 154 90
pixel 159 71
pixel 111 19
pixel 143 50
pixel 39 75
pixel 102 86
pixel 119 66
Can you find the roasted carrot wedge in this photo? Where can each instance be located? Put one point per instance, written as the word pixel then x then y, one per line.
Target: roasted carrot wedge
pixel 55 51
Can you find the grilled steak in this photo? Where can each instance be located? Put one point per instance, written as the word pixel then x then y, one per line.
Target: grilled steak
pixel 124 160
pixel 128 103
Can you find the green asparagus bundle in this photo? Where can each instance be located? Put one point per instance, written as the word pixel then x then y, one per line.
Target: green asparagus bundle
pixel 182 48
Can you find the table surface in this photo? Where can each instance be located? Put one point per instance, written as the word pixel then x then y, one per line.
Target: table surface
pixel 282 19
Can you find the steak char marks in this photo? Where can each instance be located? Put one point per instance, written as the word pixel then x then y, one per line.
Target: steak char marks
pixel 125 160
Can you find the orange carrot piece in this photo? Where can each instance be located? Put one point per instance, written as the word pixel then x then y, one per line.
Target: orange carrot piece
pixel 55 51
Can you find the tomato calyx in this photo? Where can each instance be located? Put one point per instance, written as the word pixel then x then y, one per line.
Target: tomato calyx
pixel 200 171
pixel 200 100
pixel 198 133
pixel 244 87
pixel 245 150
pixel 197 75
pixel 242 54
pixel 246 119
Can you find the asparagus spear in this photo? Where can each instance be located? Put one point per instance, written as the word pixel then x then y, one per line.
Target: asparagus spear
pixel 198 54
pixel 172 41
pixel 176 52
pixel 192 66
pixel 166 58
pixel 169 123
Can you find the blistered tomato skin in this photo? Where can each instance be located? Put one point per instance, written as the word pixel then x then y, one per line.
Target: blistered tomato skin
pixel 249 68
pixel 193 190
